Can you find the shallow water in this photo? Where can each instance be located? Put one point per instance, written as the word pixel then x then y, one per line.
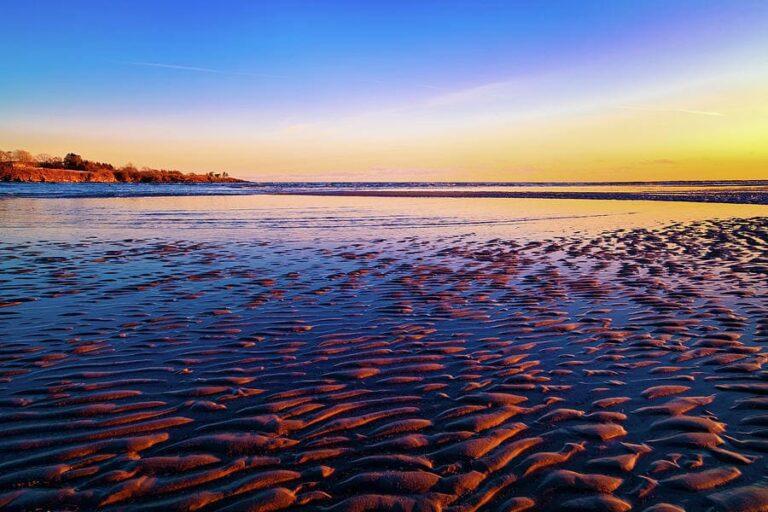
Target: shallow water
pixel 254 188
pixel 329 218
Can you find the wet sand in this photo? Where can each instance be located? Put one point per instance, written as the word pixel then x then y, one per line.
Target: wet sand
pixel 614 371
pixel 738 195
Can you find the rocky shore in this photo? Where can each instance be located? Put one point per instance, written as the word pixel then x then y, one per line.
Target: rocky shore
pixel 12 172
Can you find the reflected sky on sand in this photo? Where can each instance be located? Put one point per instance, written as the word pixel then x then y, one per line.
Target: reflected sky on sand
pixel 311 218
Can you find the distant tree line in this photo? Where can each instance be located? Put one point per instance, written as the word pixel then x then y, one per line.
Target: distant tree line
pixel 127 173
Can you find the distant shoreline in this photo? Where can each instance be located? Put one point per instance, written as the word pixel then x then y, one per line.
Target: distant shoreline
pixel 742 197
pixel 429 184
pixel 29 174
pixel 20 166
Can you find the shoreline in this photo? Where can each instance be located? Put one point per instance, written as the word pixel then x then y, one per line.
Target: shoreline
pixel 97 173
pixel 760 197
pixel 715 194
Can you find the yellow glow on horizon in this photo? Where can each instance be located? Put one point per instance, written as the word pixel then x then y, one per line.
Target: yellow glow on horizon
pixel 716 132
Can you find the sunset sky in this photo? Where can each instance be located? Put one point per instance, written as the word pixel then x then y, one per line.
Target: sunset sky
pixel 412 90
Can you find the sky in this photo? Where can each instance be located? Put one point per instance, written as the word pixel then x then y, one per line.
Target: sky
pixel 393 91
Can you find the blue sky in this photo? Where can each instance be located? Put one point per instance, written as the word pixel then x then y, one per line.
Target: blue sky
pixel 269 80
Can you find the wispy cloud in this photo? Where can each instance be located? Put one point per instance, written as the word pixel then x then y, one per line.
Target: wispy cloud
pixel 173 66
pixel 680 110
pixel 477 94
pixel 198 69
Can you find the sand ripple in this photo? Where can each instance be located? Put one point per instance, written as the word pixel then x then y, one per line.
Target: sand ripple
pixel 618 373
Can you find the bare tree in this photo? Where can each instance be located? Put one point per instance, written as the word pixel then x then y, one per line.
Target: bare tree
pixel 43 158
pixel 23 156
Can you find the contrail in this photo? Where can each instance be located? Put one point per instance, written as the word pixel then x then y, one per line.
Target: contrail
pixel 198 69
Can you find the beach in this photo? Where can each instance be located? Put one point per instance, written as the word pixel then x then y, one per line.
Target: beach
pixel 360 353
pixel 396 256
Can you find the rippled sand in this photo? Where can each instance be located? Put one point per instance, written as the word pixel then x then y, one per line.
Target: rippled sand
pixel 608 373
